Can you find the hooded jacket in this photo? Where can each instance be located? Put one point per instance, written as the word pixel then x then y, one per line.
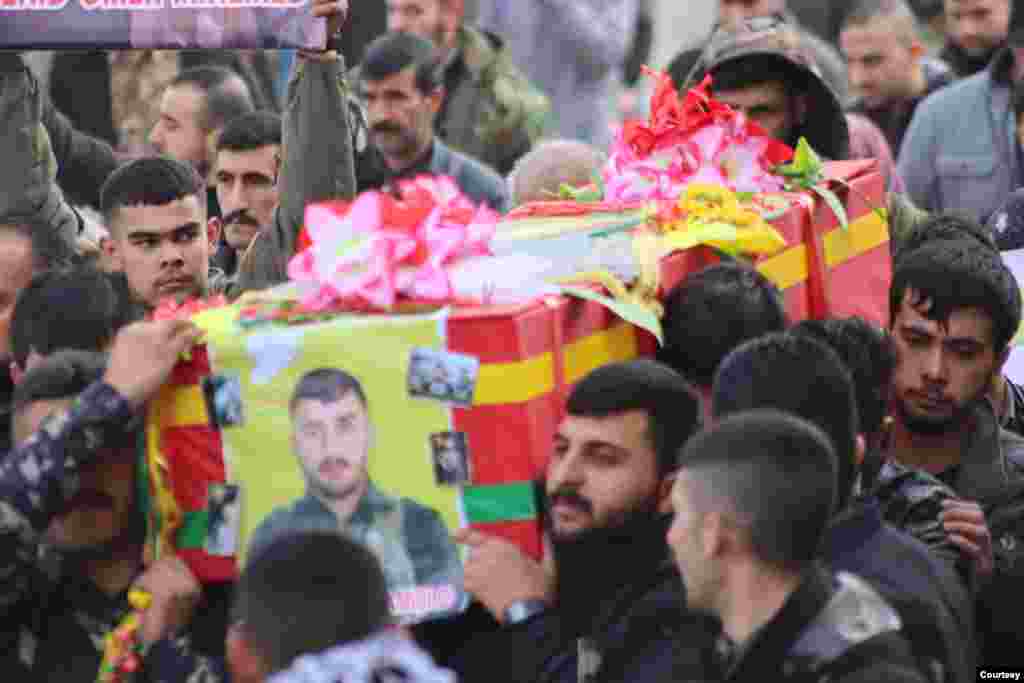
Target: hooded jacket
pixel 783 47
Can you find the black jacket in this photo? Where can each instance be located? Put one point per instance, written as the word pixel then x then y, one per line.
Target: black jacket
pixel 991 472
pixel 644 633
pixel 930 599
pixel 832 628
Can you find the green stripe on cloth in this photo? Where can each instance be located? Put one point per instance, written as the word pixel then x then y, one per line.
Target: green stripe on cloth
pixel 499 503
pixel 195 528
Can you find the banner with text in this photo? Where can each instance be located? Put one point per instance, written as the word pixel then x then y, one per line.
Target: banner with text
pixel 160 24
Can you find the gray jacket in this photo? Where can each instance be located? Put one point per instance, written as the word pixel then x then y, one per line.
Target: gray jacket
pixel 573 50
pixel 28 188
pixel 961 150
pixel 316 165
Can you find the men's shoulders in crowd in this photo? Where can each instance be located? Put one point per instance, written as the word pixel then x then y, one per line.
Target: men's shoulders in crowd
pixel 475 180
pixel 947 102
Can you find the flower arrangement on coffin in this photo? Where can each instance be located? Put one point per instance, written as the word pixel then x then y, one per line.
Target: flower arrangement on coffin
pixel 704 215
pixel 690 139
pixel 426 247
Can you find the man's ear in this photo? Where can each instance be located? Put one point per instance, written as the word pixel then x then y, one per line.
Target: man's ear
pixel 17 374
pixel 435 100
pixel 860 450
pixel 112 250
pixel 213 229
pixel 244 663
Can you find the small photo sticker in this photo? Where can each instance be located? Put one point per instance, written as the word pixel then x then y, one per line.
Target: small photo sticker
pixel 443 376
pixel 450 455
pixel 224 404
pixel 224 515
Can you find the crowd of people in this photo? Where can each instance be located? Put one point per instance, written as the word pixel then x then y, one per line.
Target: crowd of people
pixel 767 499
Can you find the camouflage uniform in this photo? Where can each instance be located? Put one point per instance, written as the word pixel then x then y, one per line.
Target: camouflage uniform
pixel 410 540
pixel 54 621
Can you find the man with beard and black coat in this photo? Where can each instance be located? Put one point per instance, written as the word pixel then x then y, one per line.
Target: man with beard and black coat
pixel 799 375
pixel 954 307
pixel 608 603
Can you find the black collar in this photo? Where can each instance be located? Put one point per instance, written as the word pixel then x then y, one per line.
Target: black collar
pixel 766 650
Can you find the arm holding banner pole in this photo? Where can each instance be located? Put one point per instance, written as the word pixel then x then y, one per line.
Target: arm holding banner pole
pixel 316 159
pixel 28 188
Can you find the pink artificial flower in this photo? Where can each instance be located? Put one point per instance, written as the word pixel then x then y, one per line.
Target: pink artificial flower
pixel 691 139
pixel 370 252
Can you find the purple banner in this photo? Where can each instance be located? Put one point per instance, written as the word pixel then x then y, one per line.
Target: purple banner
pixel 159 24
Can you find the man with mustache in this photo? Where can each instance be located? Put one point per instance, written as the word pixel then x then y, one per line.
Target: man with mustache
pixel 607 605
pixel 72 530
pixel 400 84
pixel 954 308
pixel 332 436
pixel 245 174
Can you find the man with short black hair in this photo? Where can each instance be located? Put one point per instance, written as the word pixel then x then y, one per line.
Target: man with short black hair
pixel 799 375
pixel 195 105
pixel 749 558
pixel 612 611
pixel 155 211
pixel 938 227
pixel 911 500
pixel 63 308
pixel 400 82
pixel 245 173
pixel 954 307
pixel 713 311
pixel 890 72
pixel 302 594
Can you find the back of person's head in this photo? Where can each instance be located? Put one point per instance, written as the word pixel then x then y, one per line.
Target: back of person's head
pixel 673 410
pixel 539 175
pixel 742 468
pixel 150 181
pixel 302 594
pixel 227 94
pixel 713 311
pixel 897 15
pixel 949 225
pixel 868 354
pixel 64 375
pixel 797 375
pixel 67 308
pixel 250 131
pixel 951 275
pixel 395 52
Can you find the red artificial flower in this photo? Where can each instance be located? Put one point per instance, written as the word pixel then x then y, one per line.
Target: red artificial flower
pixel 171 309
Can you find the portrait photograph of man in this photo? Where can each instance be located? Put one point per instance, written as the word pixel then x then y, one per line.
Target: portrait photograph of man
pixel 332 435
